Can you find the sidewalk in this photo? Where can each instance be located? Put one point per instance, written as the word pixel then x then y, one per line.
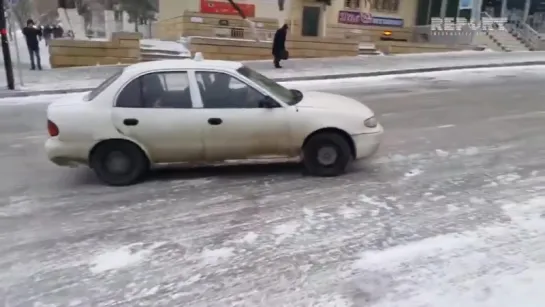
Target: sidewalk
pixel 68 80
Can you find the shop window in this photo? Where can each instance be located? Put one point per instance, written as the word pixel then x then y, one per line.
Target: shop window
pixel 66 4
pixel 390 6
pixel 352 4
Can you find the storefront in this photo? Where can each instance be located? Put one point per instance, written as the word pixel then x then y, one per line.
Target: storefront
pixel 312 14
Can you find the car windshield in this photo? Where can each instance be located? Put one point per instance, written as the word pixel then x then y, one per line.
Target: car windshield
pixel 287 96
pixel 99 89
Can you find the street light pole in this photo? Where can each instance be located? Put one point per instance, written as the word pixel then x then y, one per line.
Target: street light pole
pixel 5 47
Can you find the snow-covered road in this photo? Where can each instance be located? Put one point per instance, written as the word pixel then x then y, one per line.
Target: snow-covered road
pixel 450 213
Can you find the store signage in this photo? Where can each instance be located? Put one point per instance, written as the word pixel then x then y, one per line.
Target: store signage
pixel 367 19
pixel 225 8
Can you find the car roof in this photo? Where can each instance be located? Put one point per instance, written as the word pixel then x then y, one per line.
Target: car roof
pixel 182 64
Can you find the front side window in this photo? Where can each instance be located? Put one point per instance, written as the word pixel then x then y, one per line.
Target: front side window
pixel 223 91
pixel 280 92
pixel 99 89
pixel 169 90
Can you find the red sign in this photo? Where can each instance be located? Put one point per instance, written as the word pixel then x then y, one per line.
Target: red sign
pixel 225 8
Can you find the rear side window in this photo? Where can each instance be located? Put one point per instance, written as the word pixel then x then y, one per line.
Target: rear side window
pixel 104 85
pixel 131 95
pixel 168 90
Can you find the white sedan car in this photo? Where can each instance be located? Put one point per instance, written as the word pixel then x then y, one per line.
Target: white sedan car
pixel 176 111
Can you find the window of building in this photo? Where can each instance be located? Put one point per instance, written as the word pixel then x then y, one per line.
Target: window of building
pixel 352 4
pixel 390 6
pixel 66 4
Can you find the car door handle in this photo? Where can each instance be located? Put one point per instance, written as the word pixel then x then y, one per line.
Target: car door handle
pixel 215 121
pixel 130 122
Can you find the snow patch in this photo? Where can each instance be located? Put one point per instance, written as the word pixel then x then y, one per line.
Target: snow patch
pixel 125 256
pixel 371 200
pixel 158 45
pixel 285 231
pixel 452 208
pixel 249 238
pixel 414 172
pixel 347 212
pixel 437 198
pixel 470 151
pixel 441 153
pixel 215 256
pixel 477 201
pixel 191 280
pixel 508 178
pixel 499 265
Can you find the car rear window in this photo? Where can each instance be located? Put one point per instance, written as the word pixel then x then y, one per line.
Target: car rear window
pixel 104 85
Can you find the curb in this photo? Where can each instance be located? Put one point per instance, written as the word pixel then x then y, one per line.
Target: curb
pixel 16 94
pixel 407 71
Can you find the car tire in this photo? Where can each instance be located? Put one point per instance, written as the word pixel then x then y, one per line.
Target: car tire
pixel 321 146
pixel 131 163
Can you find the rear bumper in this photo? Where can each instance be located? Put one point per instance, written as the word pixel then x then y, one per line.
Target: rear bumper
pixel 367 144
pixel 64 154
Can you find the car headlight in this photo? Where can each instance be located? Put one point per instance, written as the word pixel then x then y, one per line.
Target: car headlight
pixel 371 122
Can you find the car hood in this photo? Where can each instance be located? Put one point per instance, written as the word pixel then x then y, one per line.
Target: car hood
pixel 337 103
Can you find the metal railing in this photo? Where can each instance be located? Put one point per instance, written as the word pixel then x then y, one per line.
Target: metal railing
pixel 437 35
pixel 242 33
pixel 530 37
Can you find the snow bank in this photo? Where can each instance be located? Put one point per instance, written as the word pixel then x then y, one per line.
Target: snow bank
pixel 500 265
pixel 158 45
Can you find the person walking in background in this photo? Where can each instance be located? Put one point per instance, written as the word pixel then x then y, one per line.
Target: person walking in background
pixel 58 30
pixel 279 45
pixel 33 36
pixel 47 33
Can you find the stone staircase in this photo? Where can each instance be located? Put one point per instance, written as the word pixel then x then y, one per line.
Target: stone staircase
pixel 482 39
pixel 506 41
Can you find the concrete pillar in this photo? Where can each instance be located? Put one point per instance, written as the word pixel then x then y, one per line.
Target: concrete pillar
pixel 526 11
pixel 324 20
pixel 443 12
pixel 503 13
pixel 476 11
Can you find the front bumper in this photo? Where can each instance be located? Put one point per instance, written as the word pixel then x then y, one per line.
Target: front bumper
pixel 367 144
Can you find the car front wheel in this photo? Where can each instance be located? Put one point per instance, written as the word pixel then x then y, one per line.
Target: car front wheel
pixel 119 163
pixel 326 154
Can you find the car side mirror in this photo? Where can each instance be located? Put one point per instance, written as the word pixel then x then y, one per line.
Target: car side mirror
pixel 268 103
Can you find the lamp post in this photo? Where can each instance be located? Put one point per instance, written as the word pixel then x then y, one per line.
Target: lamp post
pixel 5 47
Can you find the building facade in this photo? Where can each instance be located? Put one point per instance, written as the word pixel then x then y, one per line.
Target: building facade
pixel 312 14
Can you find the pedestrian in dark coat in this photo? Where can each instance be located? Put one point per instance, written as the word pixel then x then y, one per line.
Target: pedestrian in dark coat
pixel 47 33
pixel 279 45
pixel 33 36
pixel 58 31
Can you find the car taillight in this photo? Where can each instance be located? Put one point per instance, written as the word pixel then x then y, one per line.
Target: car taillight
pixel 52 128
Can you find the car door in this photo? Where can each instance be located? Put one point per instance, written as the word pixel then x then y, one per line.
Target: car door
pixel 156 110
pixel 237 127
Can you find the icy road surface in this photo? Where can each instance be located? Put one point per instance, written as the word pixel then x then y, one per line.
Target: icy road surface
pixel 451 213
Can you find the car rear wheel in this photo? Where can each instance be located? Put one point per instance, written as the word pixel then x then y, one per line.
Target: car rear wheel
pixel 326 154
pixel 119 163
